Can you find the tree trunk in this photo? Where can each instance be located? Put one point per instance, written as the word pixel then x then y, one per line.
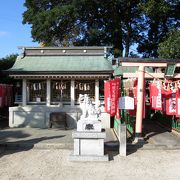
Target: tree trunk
pixel 127 46
pixel 117 34
pixel 118 45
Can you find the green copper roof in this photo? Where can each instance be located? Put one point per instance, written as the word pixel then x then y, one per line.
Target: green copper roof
pixel 122 69
pixel 61 64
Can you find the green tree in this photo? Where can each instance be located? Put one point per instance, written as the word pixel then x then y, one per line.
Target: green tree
pixel 170 48
pixel 159 17
pixel 6 63
pixel 118 23
pixel 84 22
pixel 132 21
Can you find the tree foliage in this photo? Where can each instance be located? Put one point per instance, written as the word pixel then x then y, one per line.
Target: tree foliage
pixel 84 22
pixel 159 17
pixel 118 23
pixel 6 63
pixel 170 48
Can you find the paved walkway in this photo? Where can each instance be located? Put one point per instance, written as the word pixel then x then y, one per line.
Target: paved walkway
pixel 42 138
pixel 159 136
pixel 156 137
pixel 34 137
pixel 51 160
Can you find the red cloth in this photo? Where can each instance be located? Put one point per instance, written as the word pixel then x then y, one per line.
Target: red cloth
pixel 178 103
pixel 163 100
pixel 155 96
pixel 111 96
pixel 113 99
pixel 171 102
pixel 144 105
pixel 133 93
pixel 118 83
pixel 107 96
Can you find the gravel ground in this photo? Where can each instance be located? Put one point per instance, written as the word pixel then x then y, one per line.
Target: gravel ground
pixel 54 164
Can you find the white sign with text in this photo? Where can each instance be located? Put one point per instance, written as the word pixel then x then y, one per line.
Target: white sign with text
pixel 126 102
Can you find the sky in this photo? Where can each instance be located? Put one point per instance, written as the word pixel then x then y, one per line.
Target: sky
pixel 12 32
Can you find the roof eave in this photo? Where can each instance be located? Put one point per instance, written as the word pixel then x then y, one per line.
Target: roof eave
pixel 60 72
pixel 151 60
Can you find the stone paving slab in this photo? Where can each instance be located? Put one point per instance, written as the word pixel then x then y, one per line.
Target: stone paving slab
pixel 36 138
pixel 88 158
pixel 159 136
pixel 13 138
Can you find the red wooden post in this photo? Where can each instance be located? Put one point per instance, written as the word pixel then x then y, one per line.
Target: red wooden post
pixel 140 102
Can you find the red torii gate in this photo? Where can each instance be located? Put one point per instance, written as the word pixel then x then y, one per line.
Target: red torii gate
pixel 141 74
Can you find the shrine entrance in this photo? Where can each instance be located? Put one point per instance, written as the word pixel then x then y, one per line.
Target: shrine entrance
pixel 155 86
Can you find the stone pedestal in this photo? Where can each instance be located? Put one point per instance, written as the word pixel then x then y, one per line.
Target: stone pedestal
pixel 89 126
pixel 88 146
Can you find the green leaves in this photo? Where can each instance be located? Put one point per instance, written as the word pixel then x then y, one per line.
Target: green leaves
pixel 120 23
pixel 7 62
pixel 160 17
pixel 170 48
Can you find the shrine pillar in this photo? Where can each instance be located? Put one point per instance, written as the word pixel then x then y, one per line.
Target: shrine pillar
pixel 97 92
pixel 48 96
pixel 24 92
pixel 140 103
pixel 72 92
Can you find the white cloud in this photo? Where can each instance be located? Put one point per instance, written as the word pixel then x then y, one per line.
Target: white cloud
pixel 3 33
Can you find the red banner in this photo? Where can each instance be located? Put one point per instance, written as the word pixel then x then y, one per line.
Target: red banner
pixel 111 96
pixel 155 96
pixel 178 103
pixel 163 101
pixel 171 102
pixel 118 83
pixel 107 96
pixel 114 95
pixel 144 103
pixel 133 93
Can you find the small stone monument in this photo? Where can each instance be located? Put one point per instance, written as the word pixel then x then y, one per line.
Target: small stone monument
pixel 89 138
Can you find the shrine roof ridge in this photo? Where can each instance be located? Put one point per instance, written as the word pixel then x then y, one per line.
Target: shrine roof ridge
pixel 149 60
pixel 65 51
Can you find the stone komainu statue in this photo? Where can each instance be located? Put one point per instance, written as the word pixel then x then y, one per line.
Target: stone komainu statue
pixel 88 109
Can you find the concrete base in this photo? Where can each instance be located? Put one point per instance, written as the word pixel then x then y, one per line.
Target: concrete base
pixel 138 140
pixel 73 157
pixel 38 116
pixel 88 146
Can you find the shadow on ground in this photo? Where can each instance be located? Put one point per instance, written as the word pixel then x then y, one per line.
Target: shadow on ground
pixel 10 147
pixel 112 148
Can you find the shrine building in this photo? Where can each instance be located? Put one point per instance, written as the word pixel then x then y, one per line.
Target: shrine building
pixel 50 79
